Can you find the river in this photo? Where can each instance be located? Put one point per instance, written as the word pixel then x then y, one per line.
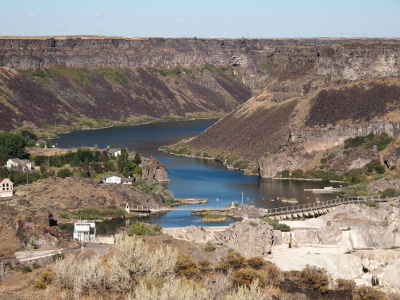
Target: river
pixel 191 177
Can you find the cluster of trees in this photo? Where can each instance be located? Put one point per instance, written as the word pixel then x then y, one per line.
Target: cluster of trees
pixel 88 163
pixel 12 145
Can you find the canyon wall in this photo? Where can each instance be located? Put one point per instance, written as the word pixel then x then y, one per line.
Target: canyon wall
pixel 311 99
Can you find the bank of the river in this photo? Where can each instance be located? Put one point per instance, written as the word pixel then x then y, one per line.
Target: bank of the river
pixel 53 131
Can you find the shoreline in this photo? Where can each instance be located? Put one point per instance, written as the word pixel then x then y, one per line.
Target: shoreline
pixel 119 124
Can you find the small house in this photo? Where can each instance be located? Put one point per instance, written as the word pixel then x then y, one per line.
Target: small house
pixel 6 187
pixel 127 180
pixel 111 179
pixel 23 165
pixel 84 230
pixel 114 151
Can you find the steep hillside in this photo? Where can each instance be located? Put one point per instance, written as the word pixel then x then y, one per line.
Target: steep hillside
pixel 63 96
pixel 311 99
pixel 86 82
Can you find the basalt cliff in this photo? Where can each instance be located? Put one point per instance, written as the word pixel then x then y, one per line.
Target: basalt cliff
pixel 311 99
pixel 95 81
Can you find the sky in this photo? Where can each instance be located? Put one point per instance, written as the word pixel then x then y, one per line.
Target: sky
pixel 201 18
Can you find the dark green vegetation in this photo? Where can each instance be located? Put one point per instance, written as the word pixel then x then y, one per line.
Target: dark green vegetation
pixel 353 148
pixel 369 141
pixel 87 163
pixel 140 228
pixel 147 187
pixel 94 213
pixel 12 145
pixel 276 225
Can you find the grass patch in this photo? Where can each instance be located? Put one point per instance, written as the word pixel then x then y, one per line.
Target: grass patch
pixel 276 225
pixel 214 218
pixel 115 75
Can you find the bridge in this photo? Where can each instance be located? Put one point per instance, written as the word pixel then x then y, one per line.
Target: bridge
pixel 317 208
pixel 286 212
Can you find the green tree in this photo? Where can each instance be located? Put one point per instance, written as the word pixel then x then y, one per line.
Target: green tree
pixel 48 144
pixel 124 166
pixel 137 160
pixel 11 146
pixel 63 173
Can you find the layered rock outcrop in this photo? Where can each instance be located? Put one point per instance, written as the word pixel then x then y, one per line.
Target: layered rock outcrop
pixel 252 237
pixel 346 242
pixel 311 99
pixel 153 170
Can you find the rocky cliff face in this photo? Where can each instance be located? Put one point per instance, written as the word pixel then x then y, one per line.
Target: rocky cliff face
pixel 311 99
pixel 153 170
pixel 67 80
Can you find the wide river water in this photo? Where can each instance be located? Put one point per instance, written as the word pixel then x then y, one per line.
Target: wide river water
pixel 191 177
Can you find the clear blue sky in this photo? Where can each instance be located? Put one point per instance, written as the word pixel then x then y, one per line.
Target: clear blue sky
pixel 201 18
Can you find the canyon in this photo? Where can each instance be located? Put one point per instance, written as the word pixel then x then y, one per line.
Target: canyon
pixel 286 101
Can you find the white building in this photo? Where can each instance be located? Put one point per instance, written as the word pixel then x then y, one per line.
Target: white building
pixel 114 151
pixel 111 179
pixel 15 164
pixel 84 230
pixel 6 187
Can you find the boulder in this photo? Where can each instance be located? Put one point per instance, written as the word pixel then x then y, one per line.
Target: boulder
pixel 152 169
pixel 313 236
pixel 391 275
pixel 191 233
pixel 251 237
pixel 337 265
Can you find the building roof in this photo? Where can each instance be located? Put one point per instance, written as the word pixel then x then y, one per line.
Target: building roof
pixel 21 162
pixel 127 179
pixel 2 179
pixel 113 150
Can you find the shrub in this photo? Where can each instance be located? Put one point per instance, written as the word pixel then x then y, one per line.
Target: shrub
pixel 157 228
pixel 380 169
pixel 272 273
pixel 205 264
pixel 390 193
pixel 64 173
pixel 311 277
pixel 187 267
pixel 40 284
pixel 344 285
pixel 46 279
pixel 132 260
pixel 370 204
pixel 209 247
pixel 354 142
pixel 233 260
pixel 277 226
pixel 284 174
pixel 26 269
pixel 139 228
pixel 35 266
pixel 297 173
pixel 247 276
pixel 368 293
pixel 324 160
pixel 256 263
pixel 254 224
pixel 243 292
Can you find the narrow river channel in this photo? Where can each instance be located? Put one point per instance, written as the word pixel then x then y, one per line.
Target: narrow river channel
pixel 191 177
